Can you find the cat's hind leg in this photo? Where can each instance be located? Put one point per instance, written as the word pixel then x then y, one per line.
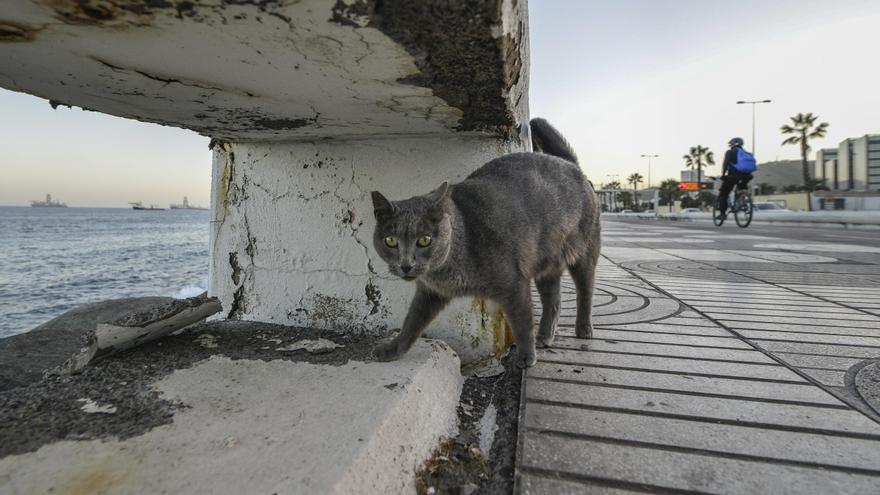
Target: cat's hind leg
pixel 517 307
pixel 548 288
pixel 583 272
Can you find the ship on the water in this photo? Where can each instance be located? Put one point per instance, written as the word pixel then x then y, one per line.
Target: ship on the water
pixel 186 206
pixel 140 206
pixel 48 203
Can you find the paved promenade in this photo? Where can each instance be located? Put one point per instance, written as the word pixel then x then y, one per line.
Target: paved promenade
pixel 724 361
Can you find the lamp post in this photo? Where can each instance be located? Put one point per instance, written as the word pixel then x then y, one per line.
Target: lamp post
pixel 649 167
pixel 753 103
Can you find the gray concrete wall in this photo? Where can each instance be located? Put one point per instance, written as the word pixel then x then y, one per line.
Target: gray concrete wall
pixel 292 236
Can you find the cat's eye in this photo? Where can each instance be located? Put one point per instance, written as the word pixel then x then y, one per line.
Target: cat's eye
pixel 424 241
pixel 391 241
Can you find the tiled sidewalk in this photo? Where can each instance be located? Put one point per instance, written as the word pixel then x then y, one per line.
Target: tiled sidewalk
pixel 710 372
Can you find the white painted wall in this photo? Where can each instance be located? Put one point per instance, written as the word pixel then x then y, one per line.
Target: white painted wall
pixel 297 219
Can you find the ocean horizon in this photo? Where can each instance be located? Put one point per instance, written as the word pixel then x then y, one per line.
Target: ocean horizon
pixel 55 259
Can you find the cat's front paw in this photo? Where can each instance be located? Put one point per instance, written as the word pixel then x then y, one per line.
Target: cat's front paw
pixel 387 351
pixel 525 360
pixel 584 331
pixel 544 342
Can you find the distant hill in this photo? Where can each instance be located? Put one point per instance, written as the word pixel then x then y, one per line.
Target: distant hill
pixel 781 173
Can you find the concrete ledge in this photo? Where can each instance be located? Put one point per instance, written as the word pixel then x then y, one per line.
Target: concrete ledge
pixel 258 425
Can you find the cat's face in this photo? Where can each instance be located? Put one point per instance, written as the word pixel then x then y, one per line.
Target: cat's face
pixel 414 235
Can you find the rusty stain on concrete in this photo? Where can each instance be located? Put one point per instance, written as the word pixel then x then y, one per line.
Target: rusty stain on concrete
pixel 493 322
pixel 96 479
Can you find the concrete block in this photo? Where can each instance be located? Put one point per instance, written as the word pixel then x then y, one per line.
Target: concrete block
pixel 803 392
pixel 814 337
pixel 815 361
pixel 749 356
pixel 744 440
pixel 828 377
pixel 739 410
pixel 660 327
pixel 254 426
pixel 720 368
pixel 530 484
pixel 823 349
pixel 663 338
pixel 830 321
pixel 682 471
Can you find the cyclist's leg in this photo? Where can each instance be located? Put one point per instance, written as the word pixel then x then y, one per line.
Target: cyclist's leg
pixel 726 186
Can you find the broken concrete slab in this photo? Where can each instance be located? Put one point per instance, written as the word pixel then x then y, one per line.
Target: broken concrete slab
pixel 84 334
pixel 240 418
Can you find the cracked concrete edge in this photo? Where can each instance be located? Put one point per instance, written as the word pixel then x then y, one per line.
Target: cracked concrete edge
pixel 400 68
pixel 419 419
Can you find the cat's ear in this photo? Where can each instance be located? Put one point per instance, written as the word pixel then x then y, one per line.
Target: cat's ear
pixel 439 195
pixel 382 208
pixel 439 201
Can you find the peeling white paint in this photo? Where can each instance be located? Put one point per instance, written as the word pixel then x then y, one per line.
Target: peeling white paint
pixel 236 70
pixel 92 407
pixel 316 346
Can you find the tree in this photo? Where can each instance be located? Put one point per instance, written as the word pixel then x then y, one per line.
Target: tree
pixel 803 129
pixel 697 157
pixel 669 192
pixel 635 179
pixel 626 198
pixel 612 185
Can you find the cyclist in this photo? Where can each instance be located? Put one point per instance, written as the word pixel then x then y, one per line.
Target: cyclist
pixel 735 171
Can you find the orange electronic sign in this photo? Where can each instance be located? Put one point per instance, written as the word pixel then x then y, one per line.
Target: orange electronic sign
pixel 694 186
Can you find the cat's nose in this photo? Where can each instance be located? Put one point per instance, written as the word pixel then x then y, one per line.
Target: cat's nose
pixel 405 269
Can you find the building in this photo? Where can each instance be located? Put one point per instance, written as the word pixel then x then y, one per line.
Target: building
pixel 826 167
pixel 858 164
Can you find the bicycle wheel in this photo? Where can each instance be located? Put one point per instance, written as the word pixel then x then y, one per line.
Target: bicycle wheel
pixel 715 218
pixel 744 210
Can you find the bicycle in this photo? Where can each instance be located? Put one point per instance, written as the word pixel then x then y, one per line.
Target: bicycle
pixel 742 207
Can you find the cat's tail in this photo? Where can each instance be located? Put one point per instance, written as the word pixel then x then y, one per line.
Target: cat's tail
pixel 546 139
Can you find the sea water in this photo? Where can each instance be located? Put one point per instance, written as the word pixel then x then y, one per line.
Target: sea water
pixel 54 259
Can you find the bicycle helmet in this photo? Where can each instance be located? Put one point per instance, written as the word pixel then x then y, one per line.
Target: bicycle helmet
pixel 736 142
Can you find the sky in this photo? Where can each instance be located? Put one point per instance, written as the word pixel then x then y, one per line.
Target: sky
pixel 619 78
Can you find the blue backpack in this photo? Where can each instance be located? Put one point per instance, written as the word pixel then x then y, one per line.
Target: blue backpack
pixel 745 162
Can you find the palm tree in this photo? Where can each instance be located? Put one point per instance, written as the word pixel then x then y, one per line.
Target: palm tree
pixel 615 197
pixel 634 179
pixel 802 131
pixel 697 157
pixel 669 192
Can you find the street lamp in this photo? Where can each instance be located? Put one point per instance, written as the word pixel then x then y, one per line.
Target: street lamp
pixel 649 167
pixel 752 103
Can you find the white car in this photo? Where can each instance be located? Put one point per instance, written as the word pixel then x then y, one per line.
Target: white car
pixel 769 207
pixel 689 210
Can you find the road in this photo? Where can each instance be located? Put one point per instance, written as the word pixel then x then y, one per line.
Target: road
pixel 722 361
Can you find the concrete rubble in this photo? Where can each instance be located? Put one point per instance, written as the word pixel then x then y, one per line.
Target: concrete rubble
pixel 83 335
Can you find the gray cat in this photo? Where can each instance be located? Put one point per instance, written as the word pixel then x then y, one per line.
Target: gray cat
pixel 518 218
